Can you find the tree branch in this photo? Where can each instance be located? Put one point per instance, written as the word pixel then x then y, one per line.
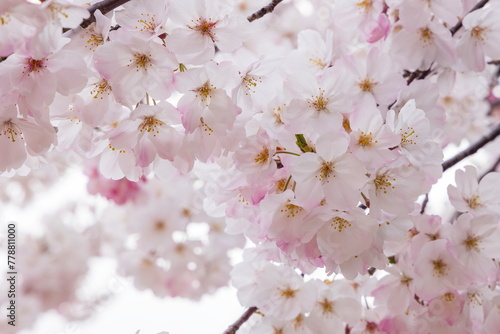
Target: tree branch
pixel 104 6
pixel 417 74
pixel 473 148
pixel 457 26
pixel 424 204
pixel 241 320
pixel 263 11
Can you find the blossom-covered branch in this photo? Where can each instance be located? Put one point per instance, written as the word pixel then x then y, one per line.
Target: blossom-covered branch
pixel 472 149
pixel 104 6
pixel 264 10
pixel 457 27
pixel 241 320
pixel 188 117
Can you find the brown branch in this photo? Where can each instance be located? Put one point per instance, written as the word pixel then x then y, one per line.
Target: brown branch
pixel 263 11
pixel 424 204
pixel 473 148
pixel 241 320
pixel 417 74
pixel 104 6
pixel 457 26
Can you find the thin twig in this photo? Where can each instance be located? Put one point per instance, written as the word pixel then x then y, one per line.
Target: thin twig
pixel 424 204
pixel 473 148
pixel 263 11
pixel 457 26
pixel 104 6
pixel 418 74
pixel 241 320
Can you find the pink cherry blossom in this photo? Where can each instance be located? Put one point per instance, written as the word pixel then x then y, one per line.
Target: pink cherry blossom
pixel 330 173
pixel 21 137
pixel 150 132
pixel 119 191
pixel 474 243
pixel 135 67
pixel 36 76
pixel 378 30
pixel 480 38
pixel 419 48
pixel 437 270
pixel 472 196
pixel 205 24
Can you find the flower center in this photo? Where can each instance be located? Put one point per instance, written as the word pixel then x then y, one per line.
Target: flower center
pixel 204 27
pixel 474 203
pixel 4 19
pixel 339 223
pixel 263 156
pixel 101 88
pixel 95 39
pixel 288 292
pixel 205 91
pixel 318 102
pixel 472 243
pixel 147 23
pixel 298 321
pixel 34 65
pixel 141 61
pixel 477 33
pixel 426 35
pixel 11 131
pixel 56 10
pixel 382 182
pixel 346 124
pixel 405 280
pixel 160 226
pixel 150 124
pixel 365 5
pixel 317 62
pixel 440 268
pixel 326 170
pixel 292 210
pixel 448 297
pixel 367 85
pixel 250 82
pixel 326 306
pixel 365 139
pixel 405 136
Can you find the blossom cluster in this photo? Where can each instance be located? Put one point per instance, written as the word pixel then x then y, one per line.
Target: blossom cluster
pixel 315 132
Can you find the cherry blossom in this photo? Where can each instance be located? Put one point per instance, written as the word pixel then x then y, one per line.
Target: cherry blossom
pixel 298 150
pixel 479 38
pixel 472 196
pixel 330 173
pixel 206 24
pixel 132 64
pixel 20 137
